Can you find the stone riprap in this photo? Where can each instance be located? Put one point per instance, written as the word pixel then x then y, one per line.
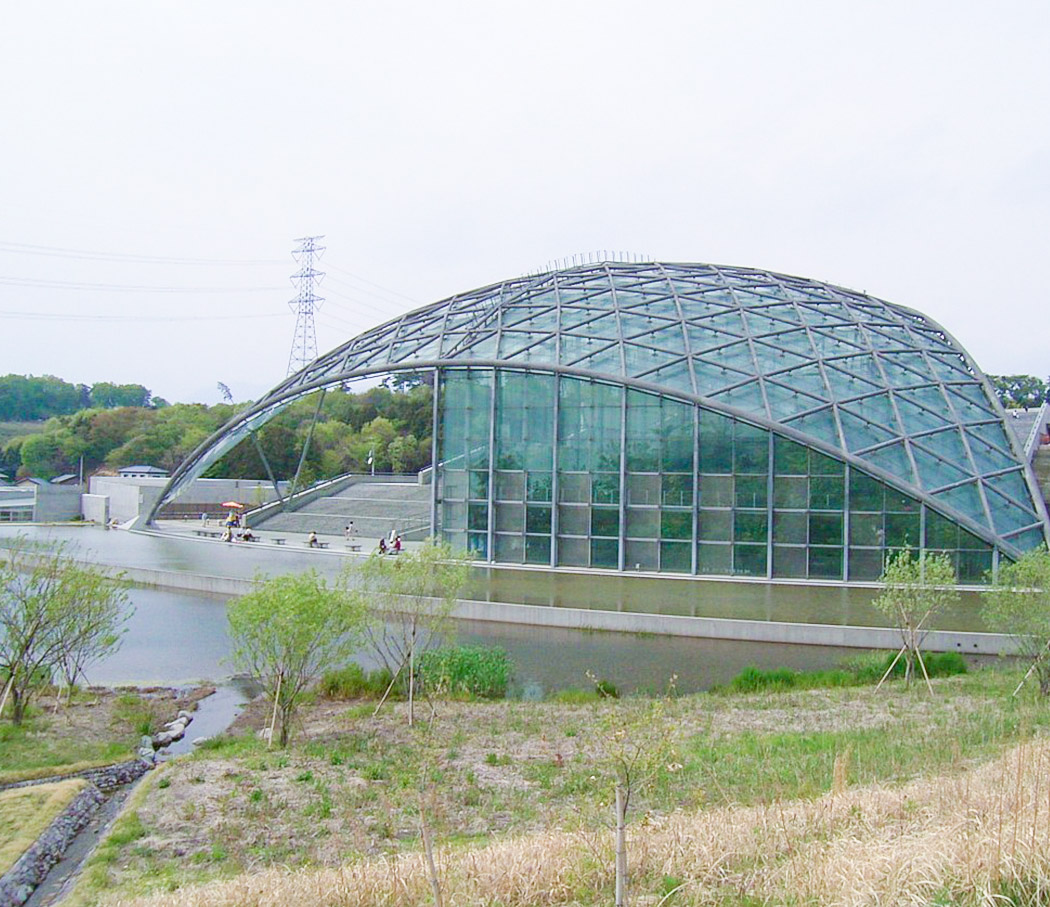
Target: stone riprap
pixel 17 884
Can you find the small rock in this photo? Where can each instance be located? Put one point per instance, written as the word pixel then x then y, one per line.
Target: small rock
pixel 197 741
pixel 184 714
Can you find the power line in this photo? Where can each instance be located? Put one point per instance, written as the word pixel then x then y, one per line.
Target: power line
pixel 58 252
pixel 30 282
pixel 63 316
pixel 415 302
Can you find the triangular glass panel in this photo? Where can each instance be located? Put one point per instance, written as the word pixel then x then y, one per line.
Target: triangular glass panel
pixel 773 358
pixel 987 457
pixel 970 403
pixel 796 341
pixel 820 425
pixel 935 471
pixel 404 349
pixel 531 319
pixel 607 361
pixel 878 409
pixel 675 376
pixel 815 313
pixel 702 339
pixel 781 314
pixel 1013 485
pixel 904 369
pixel 966 499
pixel 760 324
pixel 845 385
pixel 604 327
pixel 806 378
pixel 544 351
pixel 512 342
pixel 731 322
pixel 712 376
pixel 861 433
pixel 849 338
pixel 481 348
pixel 993 433
pixel 889 336
pixel 670 338
pixel 929 397
pixel 641 359
pixel 735 355
pixel 917 419
pixel 1007 516
pixel 951 366
pixel 454 341
pixel 639 325
pixel 894 459
pixel 428 350
pixel 657 308
pixel 747 397
pixel 574 347
pixel 785 402
pixel 933 340
pixel 949 445
pixel 863 366
pixel 1029 539
pixel 576 319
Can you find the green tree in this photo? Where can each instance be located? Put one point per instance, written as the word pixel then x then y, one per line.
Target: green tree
pixel 42 456
pixel 24 398
pixel 915 589
pixel 411 597
pixel 1019 605
pixel 287 631
pixel 110 396
pixel 55 615
pixel 1019 391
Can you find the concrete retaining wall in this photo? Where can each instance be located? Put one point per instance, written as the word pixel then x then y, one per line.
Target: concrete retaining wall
pixel 634 622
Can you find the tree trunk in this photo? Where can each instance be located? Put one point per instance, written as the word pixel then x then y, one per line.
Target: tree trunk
pixel 621 849
pixel 428 849
pixel 411 685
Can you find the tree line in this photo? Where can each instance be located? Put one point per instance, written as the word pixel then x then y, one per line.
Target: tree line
pixel 1020 391
pixel 392 425
pixel 25 398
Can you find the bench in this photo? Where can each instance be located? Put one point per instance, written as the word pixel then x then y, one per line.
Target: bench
pixel 353 546
pixel 208 533
pixel 278 541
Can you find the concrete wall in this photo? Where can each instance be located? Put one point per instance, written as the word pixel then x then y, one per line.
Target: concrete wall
pixel 57 503
pixel 130 498
pixel 95 507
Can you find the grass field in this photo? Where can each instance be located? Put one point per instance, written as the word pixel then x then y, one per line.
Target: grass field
pixel 814 796
pixel 25 812
pixel 9 430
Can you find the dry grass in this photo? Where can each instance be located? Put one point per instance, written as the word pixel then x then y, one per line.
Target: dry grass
pixel 26 811
pixel 958 839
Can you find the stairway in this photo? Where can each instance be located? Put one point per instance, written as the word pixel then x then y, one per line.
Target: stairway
pixel 376 508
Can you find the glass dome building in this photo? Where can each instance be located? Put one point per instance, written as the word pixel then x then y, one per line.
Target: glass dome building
pixel 695 419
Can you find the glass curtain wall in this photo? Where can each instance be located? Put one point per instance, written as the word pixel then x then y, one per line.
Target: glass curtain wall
pixel 560 471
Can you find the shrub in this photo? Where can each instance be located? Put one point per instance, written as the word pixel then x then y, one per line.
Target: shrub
pixel 752 679
pixel 351 682
pixel 474 671
pixel 856 671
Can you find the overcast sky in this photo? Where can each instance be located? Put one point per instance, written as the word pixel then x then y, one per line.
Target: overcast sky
pixel 901 148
